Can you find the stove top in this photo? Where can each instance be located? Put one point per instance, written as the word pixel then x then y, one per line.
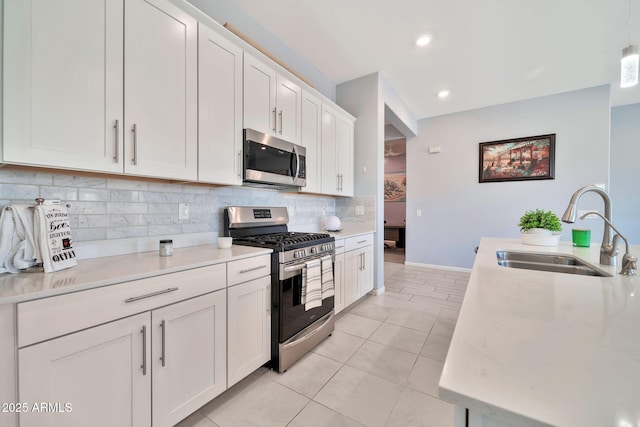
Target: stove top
pixel 284 240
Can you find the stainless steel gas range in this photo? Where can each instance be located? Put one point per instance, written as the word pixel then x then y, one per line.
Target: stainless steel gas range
pixel 295 327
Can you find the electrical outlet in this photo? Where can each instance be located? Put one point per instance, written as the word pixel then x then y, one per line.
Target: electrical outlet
pixel 359 210
pixel 183 211
pixel 418 212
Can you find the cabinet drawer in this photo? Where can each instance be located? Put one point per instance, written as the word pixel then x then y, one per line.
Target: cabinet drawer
pixel 353 243
pixel 339 245
pixel 47 318
pixel 247 269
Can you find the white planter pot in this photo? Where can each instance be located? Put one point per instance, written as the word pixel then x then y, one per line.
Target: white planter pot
pixel 540 237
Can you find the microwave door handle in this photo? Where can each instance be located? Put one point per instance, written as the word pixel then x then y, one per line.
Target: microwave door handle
pixel 294 164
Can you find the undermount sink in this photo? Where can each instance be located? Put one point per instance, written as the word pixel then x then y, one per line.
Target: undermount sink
pixel 555 263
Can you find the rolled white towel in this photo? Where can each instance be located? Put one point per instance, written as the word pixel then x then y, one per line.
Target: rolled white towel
pixel 53 237
pixel 7 235
pixel 24 254
pixel 17 242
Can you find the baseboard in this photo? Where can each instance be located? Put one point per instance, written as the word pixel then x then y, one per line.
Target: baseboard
pixel 439 267
pixel 377 291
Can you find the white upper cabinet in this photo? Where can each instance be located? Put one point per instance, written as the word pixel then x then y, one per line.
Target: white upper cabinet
pixel 272 103
pixel 337 152
pixel 63 103
pixel 289 105
pixel 310 139
pixel 219 109
pixel 161 90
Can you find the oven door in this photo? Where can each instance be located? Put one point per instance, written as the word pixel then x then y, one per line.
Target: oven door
pixel 293 316
pixel 270 160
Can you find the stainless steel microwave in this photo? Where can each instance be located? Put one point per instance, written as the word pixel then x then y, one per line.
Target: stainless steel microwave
pixel 273 161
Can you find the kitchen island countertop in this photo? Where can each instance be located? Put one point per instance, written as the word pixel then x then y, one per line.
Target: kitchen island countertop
pixel 534 348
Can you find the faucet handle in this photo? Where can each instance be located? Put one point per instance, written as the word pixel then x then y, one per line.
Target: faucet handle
pixel 629 265
pixel 611 249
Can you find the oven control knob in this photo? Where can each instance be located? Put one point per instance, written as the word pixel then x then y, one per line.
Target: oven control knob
pixel 314 250
pixel 296 254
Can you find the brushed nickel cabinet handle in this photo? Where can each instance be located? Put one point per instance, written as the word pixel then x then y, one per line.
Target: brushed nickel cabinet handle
pixel 144 350
pixel 252 269
pixel 163 356
pixel 338 182
pixel 280 114
pixel 134 131
pixel 239 164
pixel 152 294
pixel 362 241
pixel 116 151
pixel 275 121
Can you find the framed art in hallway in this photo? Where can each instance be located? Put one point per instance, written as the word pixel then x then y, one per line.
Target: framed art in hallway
pixel 519 159
pixel 395 187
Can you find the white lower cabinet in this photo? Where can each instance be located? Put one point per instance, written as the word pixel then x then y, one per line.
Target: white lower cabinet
pixel 188 356
pixel 249 327
pixel 97 377
pixel 358 268
pixel 180 340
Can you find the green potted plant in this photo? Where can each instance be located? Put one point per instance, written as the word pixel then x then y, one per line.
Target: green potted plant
pixel 540 227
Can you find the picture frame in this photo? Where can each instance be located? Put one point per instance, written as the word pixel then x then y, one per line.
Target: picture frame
pixel 519 159
pixel 395 187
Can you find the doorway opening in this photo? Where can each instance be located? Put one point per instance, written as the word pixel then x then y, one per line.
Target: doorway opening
pixel 395 194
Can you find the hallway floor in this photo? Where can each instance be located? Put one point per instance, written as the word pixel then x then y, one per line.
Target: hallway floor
pixel 380 367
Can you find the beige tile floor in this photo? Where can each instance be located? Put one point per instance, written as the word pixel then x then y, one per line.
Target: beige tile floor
pixel 380 367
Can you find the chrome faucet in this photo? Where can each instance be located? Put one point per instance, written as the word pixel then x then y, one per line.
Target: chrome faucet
pixel 608 251
pixel 629 262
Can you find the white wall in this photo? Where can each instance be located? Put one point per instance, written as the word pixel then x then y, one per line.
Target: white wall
pixel 367 98
pixel 457 210
pixel 625 170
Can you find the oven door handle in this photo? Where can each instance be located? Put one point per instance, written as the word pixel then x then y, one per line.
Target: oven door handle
pixel 295 267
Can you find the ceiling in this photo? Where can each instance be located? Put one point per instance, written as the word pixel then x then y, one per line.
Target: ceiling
pixel 484 52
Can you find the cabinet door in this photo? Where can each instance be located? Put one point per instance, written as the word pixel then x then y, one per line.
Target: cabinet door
pixel 63 83
pixel 365 279
pixel 338 281
pixel 310 139
pixel 259 96
pixel 352 267
pixel 249 328
pixel 189 356
pixel 288 101
pixel 161 90
pixel 103 373
pixel 345 155
pixel 330 174
pixel 219 109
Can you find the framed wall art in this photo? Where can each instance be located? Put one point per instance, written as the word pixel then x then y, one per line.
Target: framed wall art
pixel 519 159
pixel 395 187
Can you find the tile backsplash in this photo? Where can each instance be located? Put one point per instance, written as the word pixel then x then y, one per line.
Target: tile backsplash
pixel 106 208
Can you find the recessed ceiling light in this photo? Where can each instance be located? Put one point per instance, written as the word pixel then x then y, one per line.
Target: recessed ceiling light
pixel 423 40
pixel 443 94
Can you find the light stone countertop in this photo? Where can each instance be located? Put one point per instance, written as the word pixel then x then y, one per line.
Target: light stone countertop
pixel 352 229
pixel 536 348
pixel 96 272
